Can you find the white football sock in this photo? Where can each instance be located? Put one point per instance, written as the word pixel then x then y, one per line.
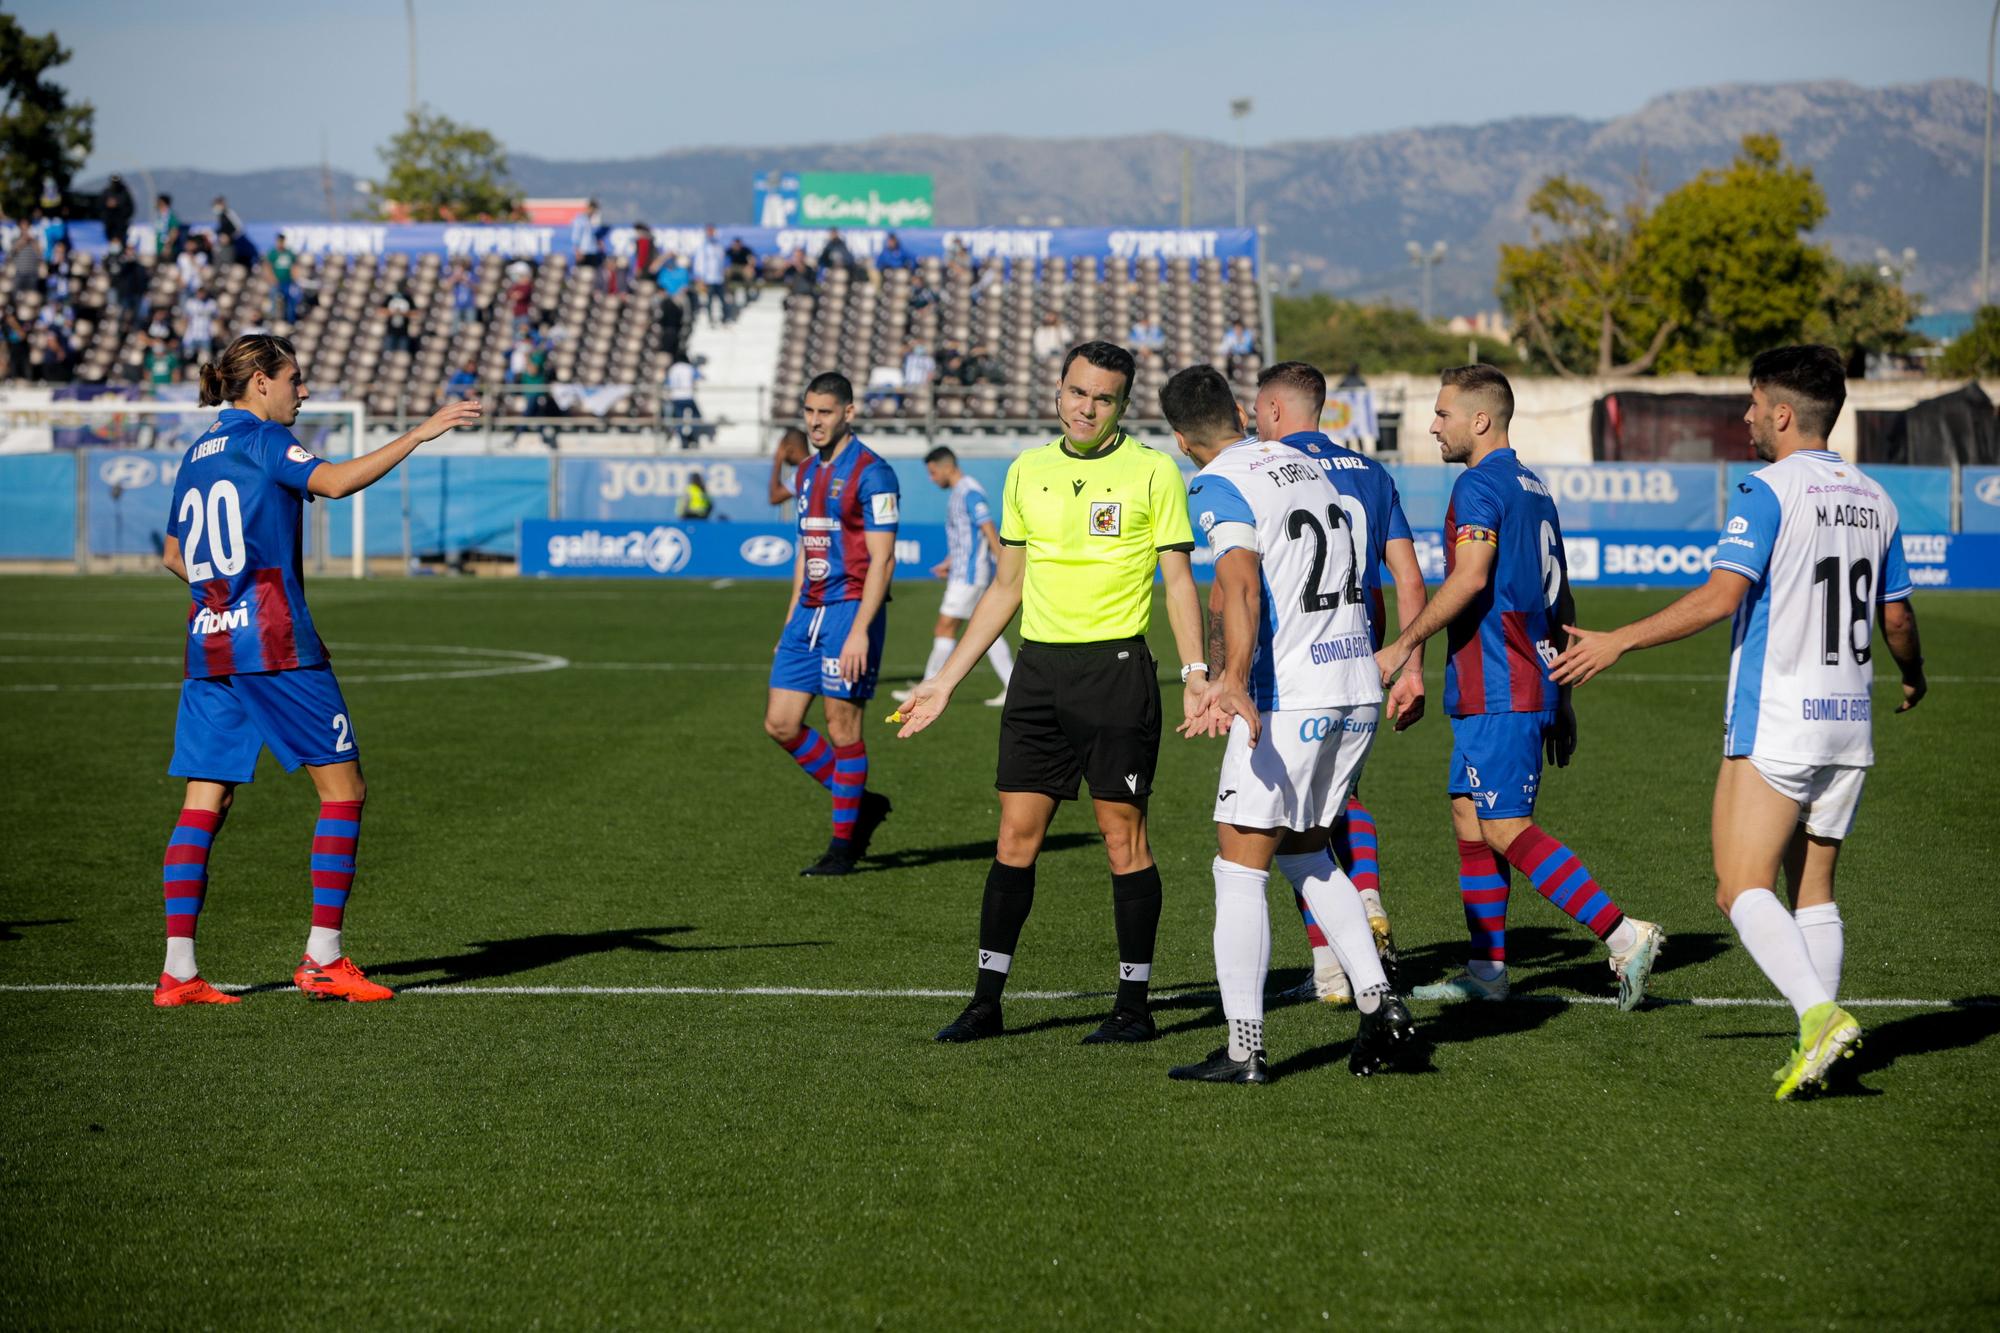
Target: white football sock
pixel 322 944
pixel 1337 907
pixel 1486 969
pixel 1371 902
pixel 1777 946
pixel 1327 971
pixel 1242 940
pixel 1825 942
pixel 1246 1037
pixel 940 649
pixel 180 958
pixel 1622 938
pixel 1002 658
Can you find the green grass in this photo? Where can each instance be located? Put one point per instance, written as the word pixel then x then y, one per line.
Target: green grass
pixel 745 1161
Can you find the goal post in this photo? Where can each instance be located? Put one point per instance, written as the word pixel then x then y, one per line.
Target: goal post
pixel 124 455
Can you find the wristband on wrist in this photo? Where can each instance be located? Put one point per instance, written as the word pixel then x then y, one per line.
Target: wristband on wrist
pixel 1191 668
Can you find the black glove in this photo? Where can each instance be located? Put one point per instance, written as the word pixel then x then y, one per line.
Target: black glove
pixel 1559 737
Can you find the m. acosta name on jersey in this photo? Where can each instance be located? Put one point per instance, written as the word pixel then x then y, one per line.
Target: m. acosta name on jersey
pixel 1847 516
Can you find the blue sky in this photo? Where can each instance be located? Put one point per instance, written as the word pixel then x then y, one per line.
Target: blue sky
pixel 232 87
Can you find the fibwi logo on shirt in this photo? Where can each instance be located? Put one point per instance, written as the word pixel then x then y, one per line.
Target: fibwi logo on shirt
pixel 1104 518
pixel 220 622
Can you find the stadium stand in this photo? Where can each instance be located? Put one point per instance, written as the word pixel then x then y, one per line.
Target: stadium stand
pixel 594 326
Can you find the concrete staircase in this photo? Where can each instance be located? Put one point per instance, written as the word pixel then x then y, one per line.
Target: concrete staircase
pixel 737 364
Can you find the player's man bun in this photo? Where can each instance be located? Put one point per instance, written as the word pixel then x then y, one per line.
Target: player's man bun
pixel 227 380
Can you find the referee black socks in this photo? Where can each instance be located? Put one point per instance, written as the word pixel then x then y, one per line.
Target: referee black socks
pixel 1135 908
pixel 1010 896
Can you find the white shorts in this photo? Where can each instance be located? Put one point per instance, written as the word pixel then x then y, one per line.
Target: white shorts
pixel 1299 774
pixel 960 598
pixel 1828 794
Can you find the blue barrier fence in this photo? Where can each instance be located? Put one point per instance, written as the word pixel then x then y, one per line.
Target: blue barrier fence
pixel 473 504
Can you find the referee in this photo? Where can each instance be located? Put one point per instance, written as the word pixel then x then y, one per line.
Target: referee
pixel 1085 521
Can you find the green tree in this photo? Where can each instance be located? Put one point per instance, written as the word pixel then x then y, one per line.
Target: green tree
pixel 42 135
pixel 1728 263
pixel 1976 352
pixel 1338 335
pixel 441 171
pixel 1579 291
pixel 1861 311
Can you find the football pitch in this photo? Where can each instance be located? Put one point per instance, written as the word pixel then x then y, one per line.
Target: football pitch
pixel 642 1074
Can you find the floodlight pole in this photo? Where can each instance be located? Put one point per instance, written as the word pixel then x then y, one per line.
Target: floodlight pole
pixel 1986 190
pixel 410 15
pixel 1239 109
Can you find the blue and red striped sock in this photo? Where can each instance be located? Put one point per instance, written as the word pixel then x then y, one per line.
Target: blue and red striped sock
pixel 1560 877
pixel 1482 889
pixel 1354 847
pixel 850 779
pixel 810 751
pixel 1314 935
pixel 184 884
pixel 335 838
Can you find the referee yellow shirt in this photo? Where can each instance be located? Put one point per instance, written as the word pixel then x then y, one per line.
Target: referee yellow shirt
pixel 1094 526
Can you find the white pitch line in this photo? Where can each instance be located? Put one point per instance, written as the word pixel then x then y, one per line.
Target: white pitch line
pixel 919 993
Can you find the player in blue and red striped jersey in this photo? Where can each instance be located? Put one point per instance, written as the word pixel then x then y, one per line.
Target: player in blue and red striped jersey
pixel 1291 396
pixel 1505 601
pixel 846 498
pixel 257 674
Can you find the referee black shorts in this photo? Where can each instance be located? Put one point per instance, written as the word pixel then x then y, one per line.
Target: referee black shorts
pixel 1085 712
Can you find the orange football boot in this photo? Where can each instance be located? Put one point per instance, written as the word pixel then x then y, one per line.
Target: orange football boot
pixel 337 980
pixel 194 990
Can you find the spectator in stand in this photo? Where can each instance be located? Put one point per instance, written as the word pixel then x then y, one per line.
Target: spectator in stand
pixel 520 357
pixel 464 296
pixel 793 449
pixel 742 271
pixel 893 255
pixel 521 298
pixel 284 292
pixel 672 280
pixel 162 367
pixel 798 274
pixel 644 254
pixel 919 367
pixel 1236 346
pixel 53 229
pixel 711 272
pixel 464 382
pixel 988 280
pixel 1147 335
pixel 56 288
pixel 922 294
pixel 49 356
pixel 117 209
pixel 1052 339
pixel 396 322
pixel 24 260
pixel 980 365
pixel 681 377
pixel 586 235
pixel 15 335
pixel 198 333
pixel 193 265
pixel 835 254
pixel 167 230
pixel 229 235
pixel 959 260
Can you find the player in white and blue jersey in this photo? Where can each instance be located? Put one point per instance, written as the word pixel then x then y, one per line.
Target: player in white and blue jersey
pixel 1291 396
pixel 1810 556
pixel 257 674
pixel 972 550
pixel 1297 691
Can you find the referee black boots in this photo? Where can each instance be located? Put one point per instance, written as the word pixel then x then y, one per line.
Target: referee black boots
pixel 1123 1025
pixel 978 1020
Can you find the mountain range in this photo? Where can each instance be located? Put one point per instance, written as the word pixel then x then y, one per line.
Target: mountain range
pixel 1900 167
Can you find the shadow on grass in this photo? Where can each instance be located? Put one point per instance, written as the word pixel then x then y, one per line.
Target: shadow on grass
pixel 916 857
pixel 11 930
pixel 1966 1024
pixel 489 960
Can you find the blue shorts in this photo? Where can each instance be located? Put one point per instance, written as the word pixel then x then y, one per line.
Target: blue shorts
pixel 1496 759
pixel 808 657
pixel 226 720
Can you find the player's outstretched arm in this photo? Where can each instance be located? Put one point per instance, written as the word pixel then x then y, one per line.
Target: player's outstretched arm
pixel 1592 651
pixel 1899 627
pixel 989 621
pixel 1184 616
pixel 337 480
pixel 1237 601
pixel 1406 696
pixel 1471 571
